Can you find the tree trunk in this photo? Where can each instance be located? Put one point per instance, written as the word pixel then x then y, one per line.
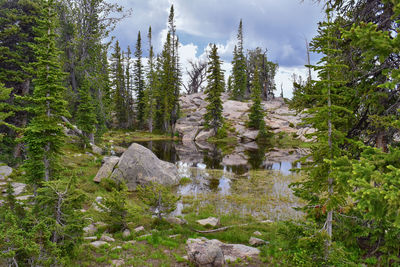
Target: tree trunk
pixel 24 120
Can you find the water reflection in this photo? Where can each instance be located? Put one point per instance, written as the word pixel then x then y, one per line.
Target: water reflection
pixel 209 156
pixel 238 182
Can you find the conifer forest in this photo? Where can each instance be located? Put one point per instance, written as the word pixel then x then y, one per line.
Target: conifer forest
pixel 131 153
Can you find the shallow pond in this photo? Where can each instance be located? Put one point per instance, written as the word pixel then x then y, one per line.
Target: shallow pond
pixel 249 181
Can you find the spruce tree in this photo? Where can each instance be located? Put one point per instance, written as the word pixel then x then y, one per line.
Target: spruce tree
pixel 118 85
pixel 256 116
pixel 17 21
pixel 129 90
pixel 151 86
pixel 86 117
pixel 331 118
pixel 239 75
pixel 138 77
pixel 215 79
pixel 5 111
pixel 44 135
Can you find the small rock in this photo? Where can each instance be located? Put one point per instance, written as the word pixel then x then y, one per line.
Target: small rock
pixel 83 210
pixel 100 224
pixel 257 233
pixel 139 229
pixel 107 238
pixel 96 149
pixel 5 171
pixel 90 229
pixel 106 169
pixel 143 236
pixel 174 236
pixel 126 233
pixel 176 220
pixel 117 247
pixel 118 262
pixel 132 242
pixel 97 244
pixel 211 221
pixel 23 198
pixel 254 241
pixel 90 238
pixel 267 221
pixel 19 188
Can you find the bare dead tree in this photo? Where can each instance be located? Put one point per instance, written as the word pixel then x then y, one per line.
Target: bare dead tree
pixel 197 76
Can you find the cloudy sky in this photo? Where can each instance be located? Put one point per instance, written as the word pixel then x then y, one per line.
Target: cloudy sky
pixel 281 26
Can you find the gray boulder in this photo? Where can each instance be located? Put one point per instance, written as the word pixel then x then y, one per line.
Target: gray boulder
pixel 5 171
pixel 204 253
pixel 139 166
pixel 107 169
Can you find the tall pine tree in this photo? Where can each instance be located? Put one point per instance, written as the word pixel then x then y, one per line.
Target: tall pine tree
pixel 215 79
pixel 331 118
pixel 151 86
pixel 256 116
pixel 239 75
pixel 138 77
pixel 118 84
pixel 44 136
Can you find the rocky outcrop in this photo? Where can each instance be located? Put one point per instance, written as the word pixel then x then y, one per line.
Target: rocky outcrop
pixel 107 168
pixel 204 252
pixel 279 118
pixel 139 166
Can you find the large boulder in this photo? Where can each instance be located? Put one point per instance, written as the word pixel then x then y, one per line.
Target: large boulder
pixel 204 252
pixel 107 168
pixel 139 166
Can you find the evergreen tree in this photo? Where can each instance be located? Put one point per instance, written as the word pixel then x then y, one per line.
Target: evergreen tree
pixel 215 79
pixel 4 107
pixel 129 91
pixel 322 187
pixel 165 92
pixel 239 68
pixel 151 86
pixel 138 76
pixel 118 84
pixel 17 20
pixel 44 135
pixel 86 117
pixel 256 116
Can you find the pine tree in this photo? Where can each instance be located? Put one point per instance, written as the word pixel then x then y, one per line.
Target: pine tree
pixel 5 111
pixel 44 135
pixel 138 76
pixel 17 20
pixel 215 78
pixel 86 117
pixel 118 84
pixel 256 116
pixel 129 90
pixel 151 86
pixel 332 121
pixel 239 75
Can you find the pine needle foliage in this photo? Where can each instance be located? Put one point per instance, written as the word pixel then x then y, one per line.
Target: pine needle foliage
pixel 215 86
pixel 44 136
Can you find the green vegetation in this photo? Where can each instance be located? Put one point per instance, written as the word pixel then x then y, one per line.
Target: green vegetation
pixel 55 67
pixel 215 78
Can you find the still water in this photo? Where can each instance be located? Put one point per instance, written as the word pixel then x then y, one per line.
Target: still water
pixel 247 180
